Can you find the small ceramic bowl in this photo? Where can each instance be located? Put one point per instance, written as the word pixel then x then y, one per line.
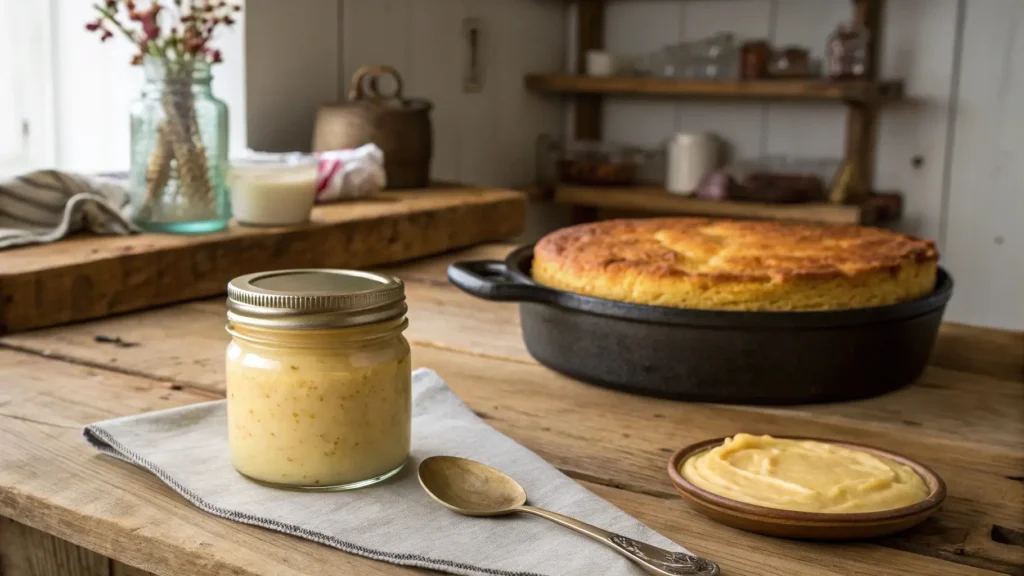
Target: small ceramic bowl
pixel 808 525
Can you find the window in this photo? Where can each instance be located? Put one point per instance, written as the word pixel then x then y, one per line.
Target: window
pixel 25 86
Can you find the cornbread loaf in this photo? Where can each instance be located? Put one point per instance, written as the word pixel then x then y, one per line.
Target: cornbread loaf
pixel 736 265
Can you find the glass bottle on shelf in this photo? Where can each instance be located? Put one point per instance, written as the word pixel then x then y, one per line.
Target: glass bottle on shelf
pixel 846 54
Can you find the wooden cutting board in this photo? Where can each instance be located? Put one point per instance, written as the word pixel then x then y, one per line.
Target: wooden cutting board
pixel 91 277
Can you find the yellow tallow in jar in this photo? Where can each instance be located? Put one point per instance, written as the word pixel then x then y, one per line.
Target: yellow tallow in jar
pixel 318 378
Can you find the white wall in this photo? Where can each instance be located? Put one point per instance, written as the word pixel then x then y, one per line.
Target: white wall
pixel 963 122
pixel 303 53
pixel 484 138
pixel 984 219
pixel 292 55
pixel 94 86
pixel 26 90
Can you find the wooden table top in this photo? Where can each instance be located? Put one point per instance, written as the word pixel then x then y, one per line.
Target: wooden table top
pixel 964 418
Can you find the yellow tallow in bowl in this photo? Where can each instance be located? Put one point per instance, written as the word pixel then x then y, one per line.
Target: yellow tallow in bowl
pixel 808 488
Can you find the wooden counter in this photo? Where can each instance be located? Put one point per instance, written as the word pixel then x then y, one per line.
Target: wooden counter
pixel 68 510
pixel 92 277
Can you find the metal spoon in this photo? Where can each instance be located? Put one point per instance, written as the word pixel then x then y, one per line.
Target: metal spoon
pixel 474 489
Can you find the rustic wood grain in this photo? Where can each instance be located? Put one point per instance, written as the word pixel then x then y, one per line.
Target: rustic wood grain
pixel 996 353
pixel 435 270
pixel 960 419
pixel 134 518
pixel 25 551
pixel 51 480
pixel 655 200
pixel 94 277
pixel 965 426
pixel 554 416
pixel 119 569
pixel 862 117
pixel 185 344
pixel 800 89
pixel 588 108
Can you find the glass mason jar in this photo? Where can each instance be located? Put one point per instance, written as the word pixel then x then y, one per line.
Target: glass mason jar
pixel 319 378
pixel 179 150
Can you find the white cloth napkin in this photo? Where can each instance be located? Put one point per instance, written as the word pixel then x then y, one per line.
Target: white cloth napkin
pixel 47 205
pixel 394 521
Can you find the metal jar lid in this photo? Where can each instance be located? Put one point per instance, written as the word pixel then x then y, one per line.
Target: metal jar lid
pixel 315 298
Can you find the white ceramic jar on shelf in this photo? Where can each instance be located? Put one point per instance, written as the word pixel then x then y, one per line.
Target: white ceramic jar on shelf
pixel 601 63
pixel 689 157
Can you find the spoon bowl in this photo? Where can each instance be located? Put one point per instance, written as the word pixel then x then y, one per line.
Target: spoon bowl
pixel 474 489
pixel 469 487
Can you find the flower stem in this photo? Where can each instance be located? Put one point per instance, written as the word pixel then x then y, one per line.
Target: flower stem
pixel 112 17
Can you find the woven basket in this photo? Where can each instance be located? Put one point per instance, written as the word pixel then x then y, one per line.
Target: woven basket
pixel 398 126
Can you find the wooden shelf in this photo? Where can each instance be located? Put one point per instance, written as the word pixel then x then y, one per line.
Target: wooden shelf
pixel 878 208
pixel 810 89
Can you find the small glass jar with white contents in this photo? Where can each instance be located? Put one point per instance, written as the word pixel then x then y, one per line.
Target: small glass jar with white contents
pixel 273 189
pixel 318 378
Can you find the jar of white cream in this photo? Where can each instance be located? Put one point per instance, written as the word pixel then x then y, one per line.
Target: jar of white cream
pixel 273 189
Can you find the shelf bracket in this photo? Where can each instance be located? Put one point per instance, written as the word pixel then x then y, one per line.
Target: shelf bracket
pixel 862 117
pixel 590 17
pixel 587 108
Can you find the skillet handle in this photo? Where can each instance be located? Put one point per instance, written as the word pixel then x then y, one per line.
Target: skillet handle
pixel 491 280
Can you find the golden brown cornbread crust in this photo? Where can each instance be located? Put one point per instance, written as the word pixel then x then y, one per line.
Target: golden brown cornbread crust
pixel 736 265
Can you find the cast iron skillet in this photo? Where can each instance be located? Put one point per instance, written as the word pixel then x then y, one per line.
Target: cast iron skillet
pixel 711 355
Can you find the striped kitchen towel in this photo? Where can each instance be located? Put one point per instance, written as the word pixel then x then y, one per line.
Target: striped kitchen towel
pixel 48 205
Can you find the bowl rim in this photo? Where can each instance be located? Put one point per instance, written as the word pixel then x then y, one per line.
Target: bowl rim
pixel 932 480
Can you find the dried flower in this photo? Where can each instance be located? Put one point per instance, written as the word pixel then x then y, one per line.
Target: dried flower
pixel 175 30
pixel 148 19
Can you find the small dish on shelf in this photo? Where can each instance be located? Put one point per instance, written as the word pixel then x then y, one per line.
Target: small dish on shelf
pixel 808 525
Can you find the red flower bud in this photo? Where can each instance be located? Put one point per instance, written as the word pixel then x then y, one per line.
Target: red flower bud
pixel 150 28
pixel 228 20
pixel 107 35
pixel 111 4
pixel 215 57
pixel 93 26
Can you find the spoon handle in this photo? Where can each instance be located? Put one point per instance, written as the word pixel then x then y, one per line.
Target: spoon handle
pixel 652 559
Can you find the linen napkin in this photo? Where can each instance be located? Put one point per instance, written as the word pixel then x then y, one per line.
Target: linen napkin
pixel 47 205
pixel 395 521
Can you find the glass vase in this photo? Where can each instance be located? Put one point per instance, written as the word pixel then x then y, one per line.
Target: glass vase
pixel 179 150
